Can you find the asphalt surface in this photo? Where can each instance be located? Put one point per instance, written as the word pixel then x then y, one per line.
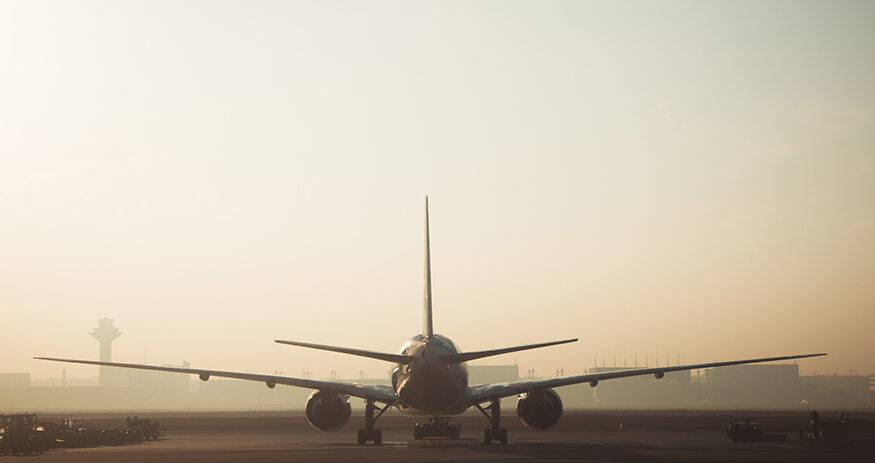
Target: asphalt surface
pixel 645 437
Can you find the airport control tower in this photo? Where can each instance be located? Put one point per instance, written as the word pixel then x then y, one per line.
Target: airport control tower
pixel 105 333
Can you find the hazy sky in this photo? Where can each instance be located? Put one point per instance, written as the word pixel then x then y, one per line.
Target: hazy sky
pixel 693 178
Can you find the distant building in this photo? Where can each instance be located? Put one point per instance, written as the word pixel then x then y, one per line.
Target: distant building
pixel 674 390
pixel 671 377
pixel 156 388
pixel 754 386
pixel 762 375
pixel 14 379
pixel 853 390
pixel 231 394
pixel 484 374
pixel 106 333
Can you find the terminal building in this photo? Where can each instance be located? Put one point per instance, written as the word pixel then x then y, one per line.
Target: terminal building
pixel 754 386
pixel 672 391
pixel 485 374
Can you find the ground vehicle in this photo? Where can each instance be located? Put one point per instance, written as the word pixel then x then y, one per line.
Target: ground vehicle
pixel 751 432
pixel 830 432
pixel 77 435
pixel 18 435
pixel 437 427
pixel 151 430
pixel 111 436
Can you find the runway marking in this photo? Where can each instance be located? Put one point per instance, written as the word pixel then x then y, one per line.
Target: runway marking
pixel 647 442
pixel 396 444
pixel 783 446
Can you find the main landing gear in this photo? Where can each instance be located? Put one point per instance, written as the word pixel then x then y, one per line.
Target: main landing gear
pixel 369 434
pixel 493 414
pixel 437 426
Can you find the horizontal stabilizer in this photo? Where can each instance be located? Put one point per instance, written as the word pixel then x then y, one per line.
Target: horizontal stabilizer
pixel 466 356
pixel 396 358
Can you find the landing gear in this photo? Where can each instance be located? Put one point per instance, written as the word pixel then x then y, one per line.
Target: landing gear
pixel 374 435
pixel 493 414
pixel 369 434
pixel 490 435
pixel 437 426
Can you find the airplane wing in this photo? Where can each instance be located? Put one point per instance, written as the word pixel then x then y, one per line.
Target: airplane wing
pixel 484 392
pixel 378 392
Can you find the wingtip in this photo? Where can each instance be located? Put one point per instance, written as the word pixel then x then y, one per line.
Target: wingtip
pixel 803 356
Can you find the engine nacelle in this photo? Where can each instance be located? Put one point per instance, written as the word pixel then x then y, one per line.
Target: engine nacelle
pixel 539 409
pixel 327 412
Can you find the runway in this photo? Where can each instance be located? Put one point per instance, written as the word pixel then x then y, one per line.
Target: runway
pixel 574 441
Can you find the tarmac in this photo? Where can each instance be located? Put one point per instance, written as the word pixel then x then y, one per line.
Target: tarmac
pixel 675 436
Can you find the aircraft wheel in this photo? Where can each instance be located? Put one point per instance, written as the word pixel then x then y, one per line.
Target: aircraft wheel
pixel 502 436
pixel 378 437
pixel 362 437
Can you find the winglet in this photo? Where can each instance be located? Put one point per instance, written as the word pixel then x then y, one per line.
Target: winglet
pixel 427 328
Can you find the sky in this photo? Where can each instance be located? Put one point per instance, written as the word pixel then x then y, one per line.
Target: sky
pixel 683 180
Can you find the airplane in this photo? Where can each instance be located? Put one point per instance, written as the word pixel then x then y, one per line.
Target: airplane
pixel 431 379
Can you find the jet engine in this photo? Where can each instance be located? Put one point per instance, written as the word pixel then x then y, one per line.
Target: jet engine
pixel 539 409
pixel 326 411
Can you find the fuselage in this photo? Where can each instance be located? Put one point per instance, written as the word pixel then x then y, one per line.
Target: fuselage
pixel 428 385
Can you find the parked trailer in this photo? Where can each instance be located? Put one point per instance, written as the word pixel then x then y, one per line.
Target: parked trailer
pixel 77 435
pixel 18 435
pixel 751 432
pixel 151 429
pixel 111 436
pixel 53 435
pixel 437 427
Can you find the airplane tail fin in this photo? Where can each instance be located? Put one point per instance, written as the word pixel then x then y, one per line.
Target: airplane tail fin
pixel 466 356
pixel 427 328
